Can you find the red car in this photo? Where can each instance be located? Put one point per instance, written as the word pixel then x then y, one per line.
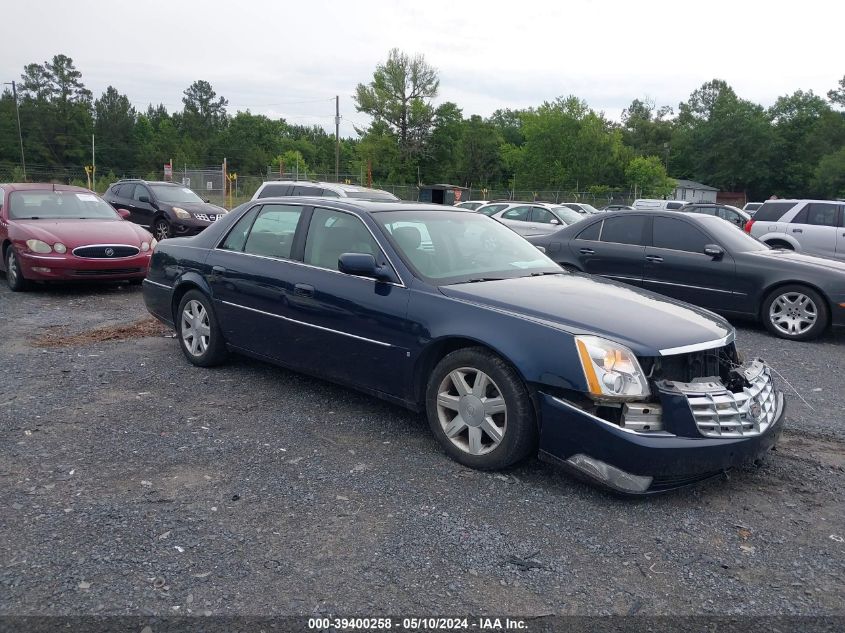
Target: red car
pixel 58 232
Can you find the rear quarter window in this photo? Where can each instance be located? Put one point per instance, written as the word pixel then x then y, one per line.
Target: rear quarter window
pixel 271 191
pixel 772 211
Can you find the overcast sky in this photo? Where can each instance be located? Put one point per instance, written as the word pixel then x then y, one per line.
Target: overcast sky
pixel 289 59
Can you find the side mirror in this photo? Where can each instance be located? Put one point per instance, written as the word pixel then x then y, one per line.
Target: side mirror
pixel 555 221
pixel 207 200
pixel 144 199
pixel 123 213
pixel 714 251
pixel 361 265
pixel 542 249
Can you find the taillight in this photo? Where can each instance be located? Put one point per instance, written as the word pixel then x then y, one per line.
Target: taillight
pixel 748 226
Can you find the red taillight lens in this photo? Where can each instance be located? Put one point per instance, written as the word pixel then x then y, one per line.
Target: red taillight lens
pixel 748 226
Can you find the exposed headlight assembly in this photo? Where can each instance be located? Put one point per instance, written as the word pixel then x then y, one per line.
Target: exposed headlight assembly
pixel 612 371
pixel 181 213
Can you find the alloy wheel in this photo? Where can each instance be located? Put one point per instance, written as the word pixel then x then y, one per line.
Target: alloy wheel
pixel 471 410
pixel 793 313
pixel 12 268
pixel 162 230
pixel 196 329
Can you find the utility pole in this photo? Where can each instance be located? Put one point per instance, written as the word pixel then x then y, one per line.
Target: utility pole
pixel 20 134
pixel 93 167
pixel 337 138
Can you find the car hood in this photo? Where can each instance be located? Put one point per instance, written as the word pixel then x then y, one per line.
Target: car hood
pixel 800 259
pixel 73 233
pixel 581 304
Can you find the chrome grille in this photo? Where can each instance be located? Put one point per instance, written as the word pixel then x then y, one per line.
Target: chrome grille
pixel 207 217
pixel 719 412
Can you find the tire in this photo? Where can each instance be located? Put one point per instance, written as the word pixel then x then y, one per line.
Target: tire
pixel 162 229
pixel 14 273
pixel 795 312
pixel 778 244
pixel 490 441
pixel 200 337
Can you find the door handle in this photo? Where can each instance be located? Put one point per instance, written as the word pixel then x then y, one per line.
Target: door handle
pixel 587 251
pixel 218 270
pixel 654 258
pixel 303 290
pixel 797 230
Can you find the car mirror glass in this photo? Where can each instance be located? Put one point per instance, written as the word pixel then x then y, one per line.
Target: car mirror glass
pixel 144 199
pixel 542 249
pixel 123 213
pixel 361 265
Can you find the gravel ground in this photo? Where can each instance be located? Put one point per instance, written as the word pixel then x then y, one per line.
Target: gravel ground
pixel 134 483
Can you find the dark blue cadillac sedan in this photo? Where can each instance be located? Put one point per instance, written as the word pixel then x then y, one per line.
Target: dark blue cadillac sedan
pixel 456 315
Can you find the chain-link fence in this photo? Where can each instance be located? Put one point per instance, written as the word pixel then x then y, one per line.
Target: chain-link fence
pixel 208 183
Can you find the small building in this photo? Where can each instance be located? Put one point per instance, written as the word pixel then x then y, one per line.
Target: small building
pixel 443 194
pixel 692 191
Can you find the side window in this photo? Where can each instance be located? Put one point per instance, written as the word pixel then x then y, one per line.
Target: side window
pixel 677 235
pixel 539 214
pixel 491 209
pixel 302 190
pixel 237 236
pixel 707 211
pixel 821 214
pixel 517 213
pixel 590 233
pixel 674 205
pixel 333 233
pixel 773 211
pixel 624 230
pixel 273 191
pixel 140 190
pixel 328 193
pixel 273 230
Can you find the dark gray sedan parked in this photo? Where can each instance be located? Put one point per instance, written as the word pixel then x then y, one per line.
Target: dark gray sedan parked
pixel 707 262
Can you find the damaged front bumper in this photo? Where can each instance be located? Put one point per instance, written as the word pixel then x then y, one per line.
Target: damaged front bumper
pixel 694 430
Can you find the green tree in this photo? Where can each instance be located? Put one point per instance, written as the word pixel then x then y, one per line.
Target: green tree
pixel 441 161
pixel 837 95
pixel 114 127
pixel 480 160
pixel 829 177
pixel 647 174
pixel 400 96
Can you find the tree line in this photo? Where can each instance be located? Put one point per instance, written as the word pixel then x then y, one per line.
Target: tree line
pixel 795 148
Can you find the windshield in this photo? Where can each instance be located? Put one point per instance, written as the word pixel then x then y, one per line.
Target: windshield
pixel 447 247
pixel 165 193
pixel 735 239
pixel 567 215
pixel 371 194
pixel 588 208
pixel 53 205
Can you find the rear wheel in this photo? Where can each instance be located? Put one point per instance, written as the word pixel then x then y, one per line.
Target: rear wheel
pixel 199 334
pixel 779 244
pixel 14 273
pixel 795 312
pixel 480 411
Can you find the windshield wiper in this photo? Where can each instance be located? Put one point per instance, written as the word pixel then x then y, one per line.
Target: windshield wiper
pixel 477 279
pixel 548 272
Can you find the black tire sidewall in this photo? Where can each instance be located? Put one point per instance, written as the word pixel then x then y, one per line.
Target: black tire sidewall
pixel 215 353
pixel 162 220
pixel 520 438
pixel 20 282
pixel 821 305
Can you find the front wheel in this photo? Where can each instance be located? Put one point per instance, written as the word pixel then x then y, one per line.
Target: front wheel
pixel 14 273
pixel 162 230
pixel 480 411
pixel 795 312
pixel 199 334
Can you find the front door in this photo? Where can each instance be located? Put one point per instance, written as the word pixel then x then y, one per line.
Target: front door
pixel 352 329
pixel 676 266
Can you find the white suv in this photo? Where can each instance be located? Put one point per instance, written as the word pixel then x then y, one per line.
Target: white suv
pixel 282 188
pixel 816 227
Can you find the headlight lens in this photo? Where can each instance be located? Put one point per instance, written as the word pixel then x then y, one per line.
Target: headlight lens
pixel 181 213
pixel 59 247
pixel 145 246
pixel 153 244
pixel 612 371
pixel 37 246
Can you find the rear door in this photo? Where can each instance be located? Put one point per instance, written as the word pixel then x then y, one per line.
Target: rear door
pixel 840 235
pixel 676 266
pixel 517 218
pixel 614 248
pixel 816 227
pixel 252 277
pixel 542 222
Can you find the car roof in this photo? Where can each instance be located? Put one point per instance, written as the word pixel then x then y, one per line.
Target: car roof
pixel 340 186
pixel 30 186
pixel 359 204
